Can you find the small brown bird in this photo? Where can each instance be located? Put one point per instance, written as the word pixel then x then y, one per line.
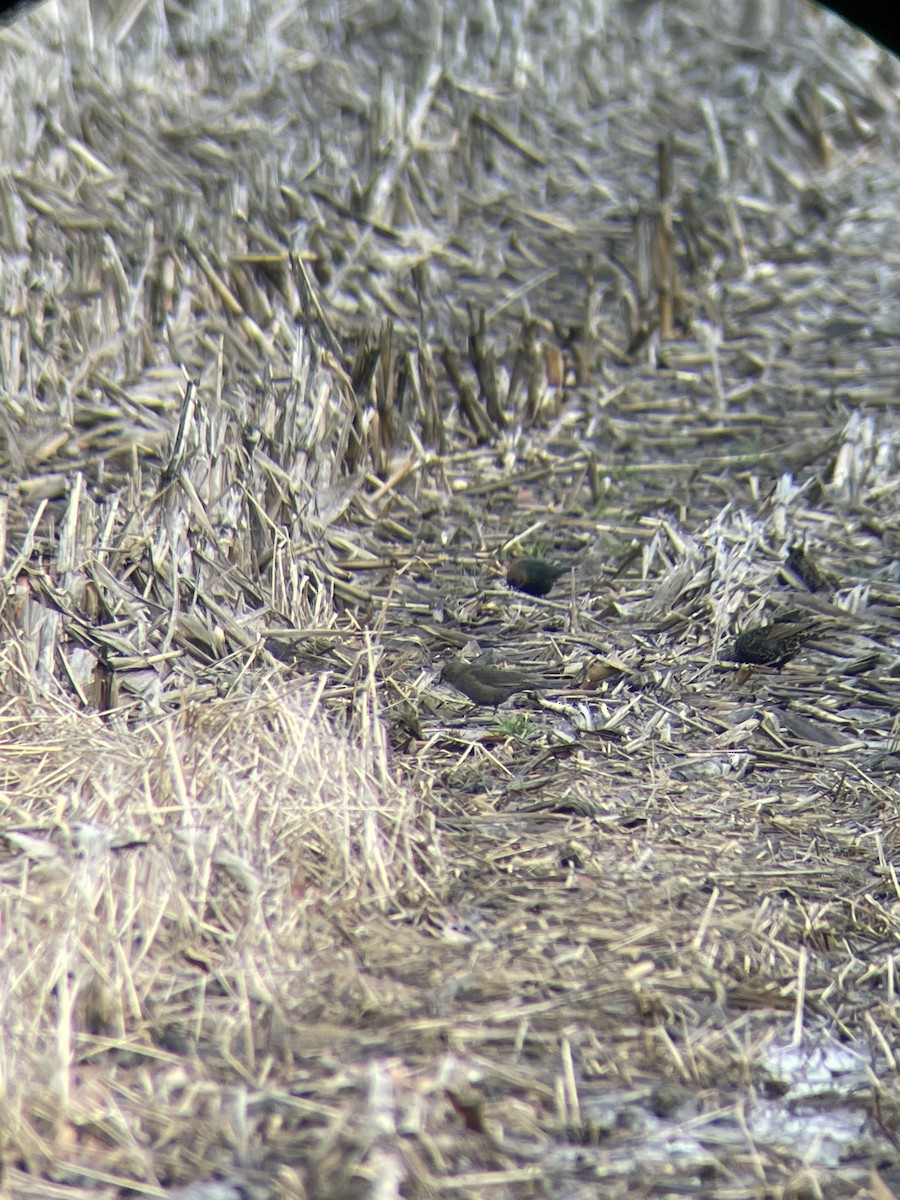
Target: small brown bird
pixel 484 684
pixel 533 575
pixel 773 644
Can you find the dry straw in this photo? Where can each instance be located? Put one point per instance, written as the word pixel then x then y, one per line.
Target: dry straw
pixel 313 317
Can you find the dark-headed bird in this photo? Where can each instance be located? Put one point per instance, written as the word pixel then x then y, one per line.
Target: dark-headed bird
pixel 533 575
pixel 771 645
pixel 801 563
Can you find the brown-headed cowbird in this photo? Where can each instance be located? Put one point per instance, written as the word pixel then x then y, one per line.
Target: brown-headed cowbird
pixel 533 575
pixel 485 684
pixel 773 644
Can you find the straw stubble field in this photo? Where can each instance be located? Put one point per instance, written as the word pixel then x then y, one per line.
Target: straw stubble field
pixel 314 316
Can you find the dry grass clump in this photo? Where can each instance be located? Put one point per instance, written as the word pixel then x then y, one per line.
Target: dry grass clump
pixel 314 317
pixel 176 889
